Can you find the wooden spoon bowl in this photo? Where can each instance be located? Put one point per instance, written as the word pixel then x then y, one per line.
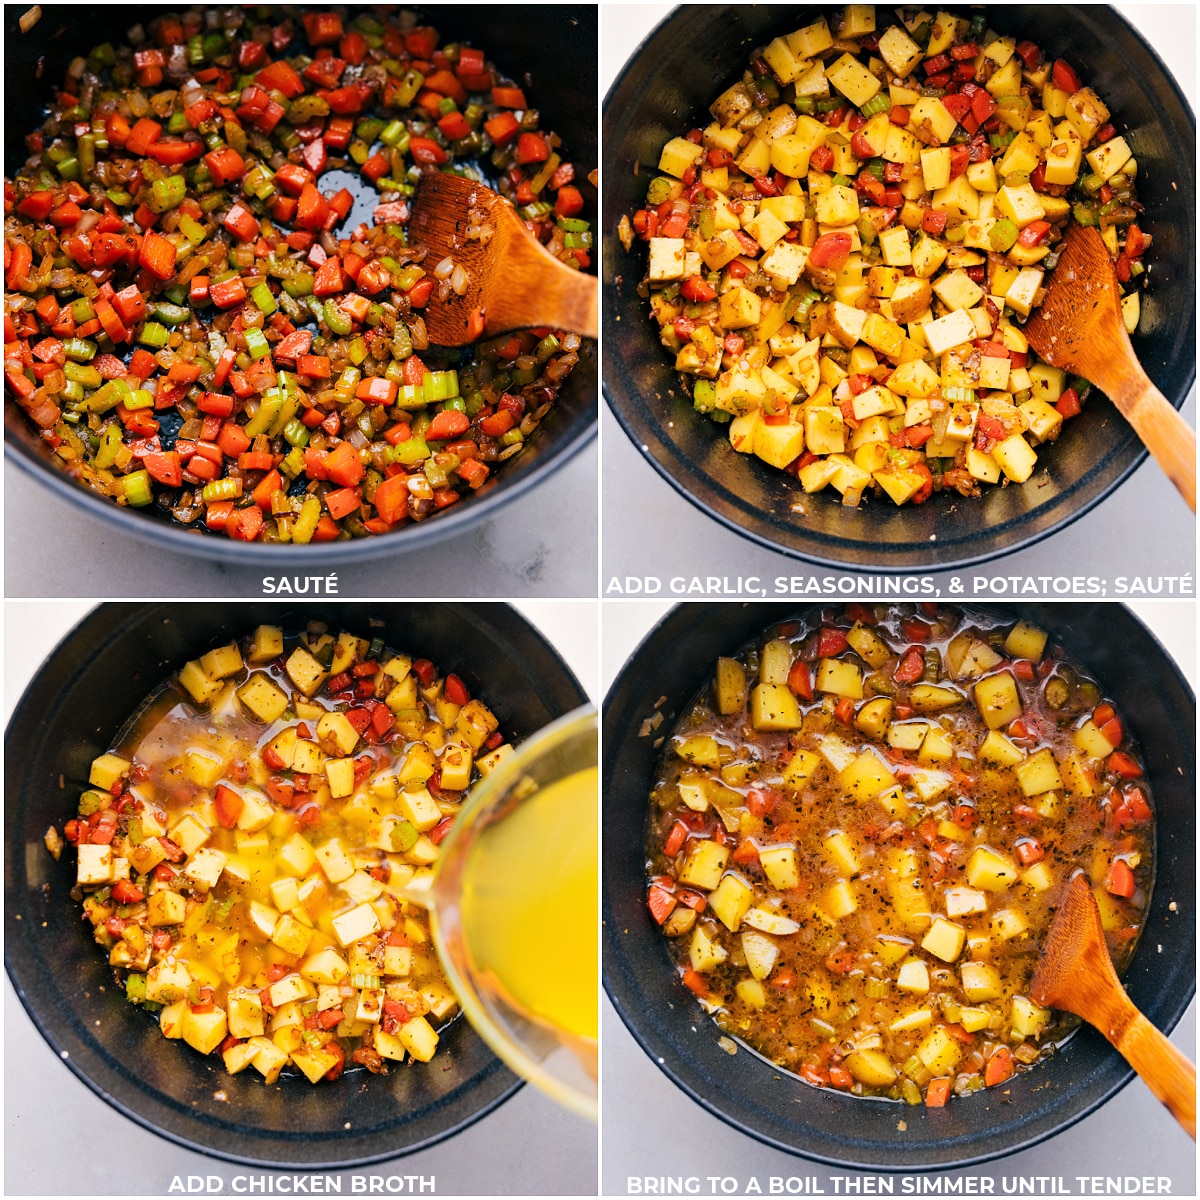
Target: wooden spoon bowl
pixel 1076 974
pixel 1080 327
pixel 512 281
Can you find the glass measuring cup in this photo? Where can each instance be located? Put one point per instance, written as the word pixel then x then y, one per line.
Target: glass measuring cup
pixel 514 908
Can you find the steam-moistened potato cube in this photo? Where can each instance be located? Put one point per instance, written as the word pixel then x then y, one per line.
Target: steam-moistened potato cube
pixel 667 259
pixel 1107 159
pixel 357 923
pixel 868 645
pixel 475 723
pixel 874 716
pixel 266 644
pixel 387 1045
pixel 106 770
pixel 305 671
pixel 930 697
pixel 935 167
pixel 262 917
pixel 1026 641
pixel 238 1056
pixel 336 735
pixel 326 967
pixel 989 871
pixel 262 698
pixel 418 1038
pixel 1063 159
pixel 1039 773
pixel 245 1013
pixel 917 1019
pixel 768 920
pixel 420 808
pixel 334 860
pixel 730 901
pixel 895 247
pixel 1007 923
pixel 189 833
pixel 779 445
pixel 97 865
pixel 295 856
pixel 222 662
pixel 775 661
pixel 907 735
pixel 964 902
pixel 202 768
pixel 839 678
pixel 812 40
pixel 704 864
pixel 841 854
pixel 751 992
pixel 339 774
pixel 204 868
pixel 853 80
pixel 840 901
pixel 730 686
pixel 1028 1019
pixel 197 684
pixel 998 700
pixel 871 1067
pixel 164 908
pixel 369 1007
pixel 899 51
pixel 1022 291
pixel 772 706
pixel 781 867
pixel 203 1031
pixel 948 332
pixel 285 895
pixel 866 777
pixel 837 206
pixel 269 1059
pixel 927 256
pixel 824 430
pixel 931 114
pixel 315 1064
pixel 703 953
pixel 997 750
pixel 256 812
pixel 944 940
pixel 939 1052
pixel 290 936
pixel 1086 112
pixel 679 154
pixel 913 977
pixel 1091 741
pixel 957 290
pixel 397 960
pixel 167 982
pixel 307 757
pixel 455 766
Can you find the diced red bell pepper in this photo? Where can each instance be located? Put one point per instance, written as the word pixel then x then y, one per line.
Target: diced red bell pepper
pixel 175 152
pixel 343 502
pixel 426 151
pixel 1000 1067
pixel 831 250
pixel 228 805
pixel 323 29
pixel 280 77
pixel 1064 77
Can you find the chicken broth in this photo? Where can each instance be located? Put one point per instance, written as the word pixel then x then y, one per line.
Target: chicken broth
pixel 860 834
pixel 253 851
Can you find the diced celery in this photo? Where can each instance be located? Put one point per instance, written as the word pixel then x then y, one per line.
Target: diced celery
pixel 138 489
pixel 260 293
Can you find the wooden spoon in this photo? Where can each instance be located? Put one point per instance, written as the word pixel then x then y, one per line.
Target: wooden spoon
pixel 1076 974
pixel 514 282
pixel 1079 327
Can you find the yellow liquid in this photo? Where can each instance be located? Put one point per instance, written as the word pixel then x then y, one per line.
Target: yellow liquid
pixel 530 911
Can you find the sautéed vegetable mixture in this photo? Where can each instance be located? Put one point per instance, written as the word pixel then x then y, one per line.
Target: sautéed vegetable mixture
pixel 841 261
pixel 860 833
pixel 253 853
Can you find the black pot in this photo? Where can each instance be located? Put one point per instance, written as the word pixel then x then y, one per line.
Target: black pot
pixel 560 65
pixel 700 50
pixel 87 689
pixel 765 1102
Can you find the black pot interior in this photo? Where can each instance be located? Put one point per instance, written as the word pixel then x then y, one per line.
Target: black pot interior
pixel 559 68
pixel 667 87
pixel 89 687
pixel 754 1096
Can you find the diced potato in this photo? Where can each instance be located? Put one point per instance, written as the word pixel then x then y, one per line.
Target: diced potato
pixel 1007 923
pixel 841 854
pixel 197 684
pixel 334 861
pixel 204 867
pixel 838 677
pixel 1026 641
pixel 913 977
pixel 874 716
pixel 871 1067
pixel 780 865
pixel 772 706
pixel 944 940
pixel 946 333
pixel 990 871
pixel 701 750
pixel 761 954
pixel 203 1031
pixel 866 777
pixel 730 901
pixel 305 671
pixel 930 697
pixel 964 902
pixel 907 735
pixel 269 1059
pixel 106 770
pixel 1039 773
pixel 703 953
pixel 326 967
pixel 730 686
pixel 356 923
pixel 418 1038
pixel 222 662
pixel 868 645
pixel 997 750
pixel 1091 741
pixel 704 864
pixel 840 901
pixel 751 992
pixel 679 154
pixel 899 51
pixel 164 907
pixel 267 644
pixel 96 865
pixel 939 1052
pixel 767 920
pixel 1028 1019
pixel 998 700
pixel 262 698
pixel 854 81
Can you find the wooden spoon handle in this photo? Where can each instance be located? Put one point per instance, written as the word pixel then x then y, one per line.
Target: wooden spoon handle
pixel 1168 437
pixel 546 293
pixel 1167 1072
